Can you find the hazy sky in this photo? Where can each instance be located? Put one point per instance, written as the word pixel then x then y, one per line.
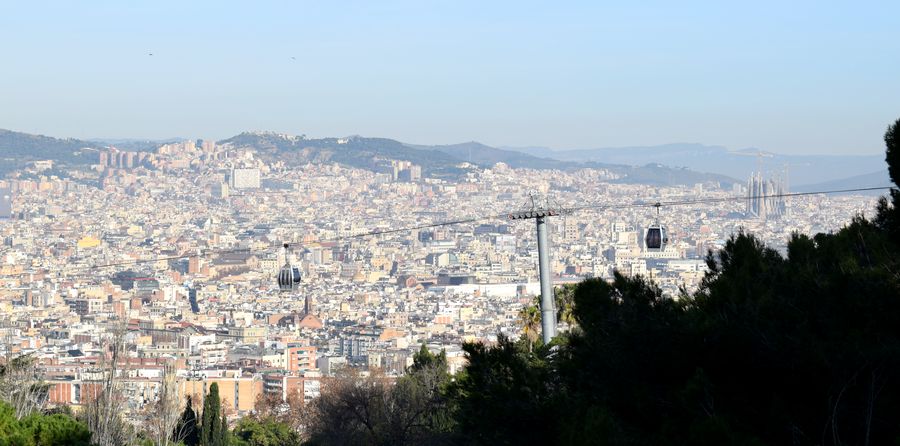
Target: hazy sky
pixel 787 76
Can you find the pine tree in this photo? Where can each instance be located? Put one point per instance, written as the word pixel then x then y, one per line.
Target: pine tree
pixel 888 217
pixel 892 151
pixel 211 427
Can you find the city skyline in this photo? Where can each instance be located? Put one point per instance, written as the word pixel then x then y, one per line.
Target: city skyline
pixel 794 79
pixel 434 223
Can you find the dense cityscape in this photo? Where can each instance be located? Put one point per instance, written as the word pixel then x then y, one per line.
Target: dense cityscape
pixel 404 223
pixel 177 251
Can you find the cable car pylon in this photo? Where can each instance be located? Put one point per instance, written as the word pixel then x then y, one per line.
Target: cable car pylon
pixel 539 209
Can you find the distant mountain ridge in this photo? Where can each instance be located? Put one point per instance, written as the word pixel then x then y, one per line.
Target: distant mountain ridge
pixel 873 179
pixel 444 160
pixel 136 144
pixel 480 154
pixel 801 169
pixel 439 161
pixel 367 153
pixel 17 149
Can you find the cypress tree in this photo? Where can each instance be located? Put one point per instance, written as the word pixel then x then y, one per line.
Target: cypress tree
pixel 223 432
pixel 211 427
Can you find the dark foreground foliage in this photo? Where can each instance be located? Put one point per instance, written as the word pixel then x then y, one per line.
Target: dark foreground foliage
pixel 803 350
pixel 38 429
pixel 795 350
pixel 799 350
pixel 375 410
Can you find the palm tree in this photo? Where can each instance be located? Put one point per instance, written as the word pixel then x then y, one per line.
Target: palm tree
pixel 530 318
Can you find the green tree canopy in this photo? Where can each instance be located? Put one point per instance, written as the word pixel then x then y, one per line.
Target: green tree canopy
pixel 800 349
pixel 252 432
pixel 41 430
pixel 186 430
pixel 503 396
pixel 374 409
pixel 889 210
pixel 213 428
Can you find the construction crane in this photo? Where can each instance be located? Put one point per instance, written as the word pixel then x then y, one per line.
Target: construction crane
pixel 759 154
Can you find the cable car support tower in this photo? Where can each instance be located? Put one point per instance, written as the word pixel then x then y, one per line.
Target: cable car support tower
pixel 539 210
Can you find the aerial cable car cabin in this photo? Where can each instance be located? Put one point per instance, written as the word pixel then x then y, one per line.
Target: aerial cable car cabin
pixel 656 238
pixel 289 275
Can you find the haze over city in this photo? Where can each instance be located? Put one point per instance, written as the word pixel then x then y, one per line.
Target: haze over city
pixel 449 223
pixel 794 78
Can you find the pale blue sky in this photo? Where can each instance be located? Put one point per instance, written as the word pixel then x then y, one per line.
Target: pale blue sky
pixel 786 76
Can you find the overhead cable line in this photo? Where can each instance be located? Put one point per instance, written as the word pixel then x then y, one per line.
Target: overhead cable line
pixel 733 198
pixel 476 219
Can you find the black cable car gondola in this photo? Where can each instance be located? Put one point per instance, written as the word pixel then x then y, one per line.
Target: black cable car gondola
pixel 656 239
pixel 289 276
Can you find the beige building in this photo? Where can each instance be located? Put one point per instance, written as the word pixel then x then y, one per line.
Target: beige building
pixel 238 394
pixel 247 335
